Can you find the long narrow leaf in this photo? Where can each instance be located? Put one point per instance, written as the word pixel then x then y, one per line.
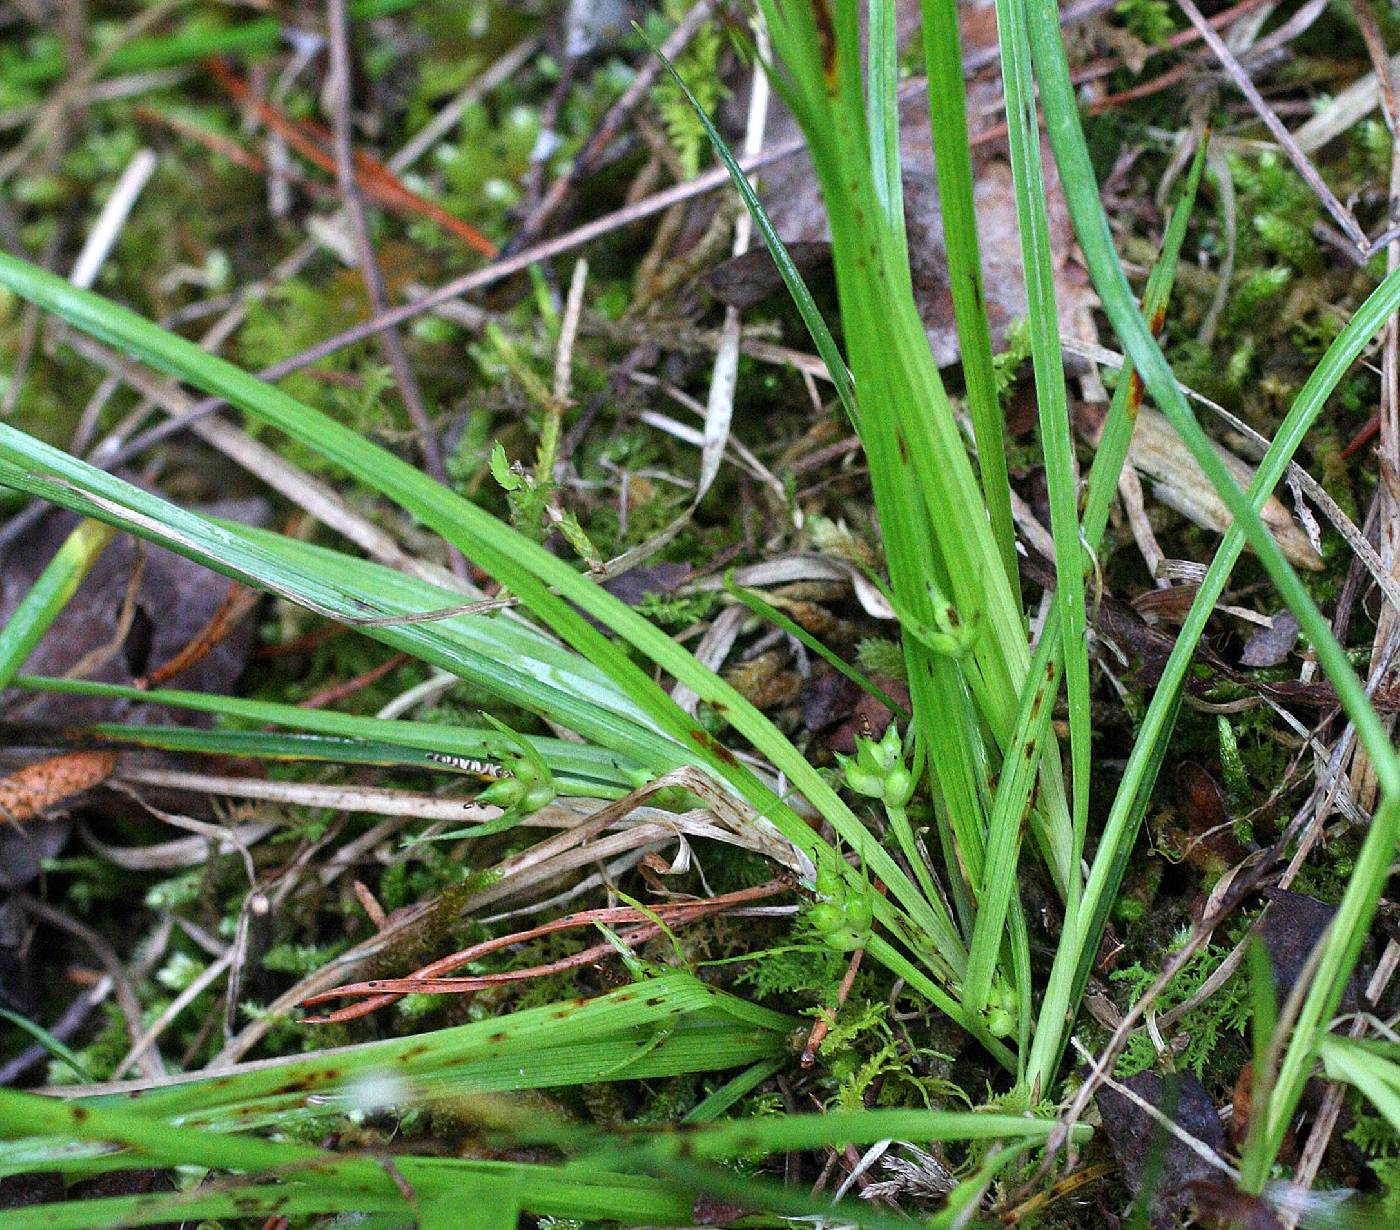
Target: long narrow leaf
pixel 545 584
pixel 1359 901
pixel 953 164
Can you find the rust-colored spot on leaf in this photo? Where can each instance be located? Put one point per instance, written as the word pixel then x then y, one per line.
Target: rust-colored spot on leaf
pixel 32 790
pixel 826 34
pixel 1134 393
pixel 712 745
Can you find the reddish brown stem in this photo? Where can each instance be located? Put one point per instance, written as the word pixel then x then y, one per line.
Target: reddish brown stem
pixel 384 991
pixel 376 181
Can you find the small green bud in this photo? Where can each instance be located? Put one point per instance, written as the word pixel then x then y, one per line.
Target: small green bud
pixel 505 793
pixel 860 913
pixel 889 750
pixel 1000 1022
pixel 1001 1008
pixel 859 777
pixel 537 795
pixel 846 939
pixel 899 787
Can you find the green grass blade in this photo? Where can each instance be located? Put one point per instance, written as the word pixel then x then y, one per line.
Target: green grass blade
pixel 1033 719
pixel 1096 240
pixel 787 270
pixel 1358 902
pixel 953 164
pixel 1346 937
pixel 334 582
pixel 512 663
pixel 346 736
pixel 1056 433
pixel 547 585
pixel 613 1036
pixel 882 106
pixel 55 1046
pixel 49 594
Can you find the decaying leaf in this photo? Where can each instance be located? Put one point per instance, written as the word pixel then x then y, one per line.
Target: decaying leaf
pixel 743 281
pixel 1158 453
pixel 1178 482
pixel 1148 1154
pixel 1204 834
pixel 175 601
pixel 636 584
pixel 1271 646
pixel 1221 1204
pixel 28 793
pixel 868 717
pixel 1290 930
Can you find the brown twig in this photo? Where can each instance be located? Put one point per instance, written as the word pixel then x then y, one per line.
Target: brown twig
pixel 822 1026
pixel 236 606
pixel 431 978
pixel 1290 147
pixel 339 691
pixel 611 124
pixel 227 147
pixel 373 178
pixel 370 272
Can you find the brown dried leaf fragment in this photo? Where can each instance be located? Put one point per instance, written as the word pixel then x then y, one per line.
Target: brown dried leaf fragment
pixel 1158 1167
pixel 29 792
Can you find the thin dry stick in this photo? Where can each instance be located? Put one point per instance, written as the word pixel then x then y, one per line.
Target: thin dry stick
pixel 568 334
pixel 433 976
pixel 1300 161
pixel 238 603
pixel 618 115
pixel 508 266
pixel 150 1061
pixel 1197 1146
pixel 546 860
pixel 373 276
pixel 151 1035
pixel 719 407
pixel 1226 896
pixel 1363 777
pixel 500 71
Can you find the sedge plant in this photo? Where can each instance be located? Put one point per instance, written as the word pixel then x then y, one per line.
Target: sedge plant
pixel 981 743
pixel 848 112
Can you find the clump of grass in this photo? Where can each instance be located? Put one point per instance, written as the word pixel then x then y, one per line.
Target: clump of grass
pixel 980 744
